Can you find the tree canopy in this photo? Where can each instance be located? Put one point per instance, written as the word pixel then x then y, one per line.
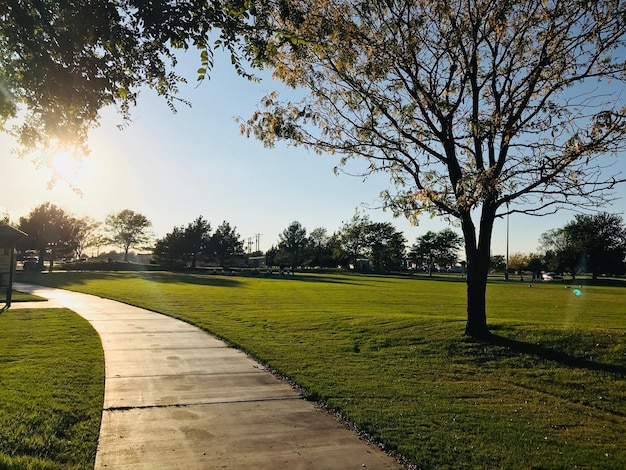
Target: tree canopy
pixel 195 239
pixel 438 248
pixel 293 241
pixel 475 109
pixel 128 228
pixel 225 244
pixel 51 231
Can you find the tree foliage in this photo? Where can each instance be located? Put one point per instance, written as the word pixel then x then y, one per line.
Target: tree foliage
pixel 518 261
pixel 475 109
pixel 320 249
pixel 378 242
pixel 293 242
pixel 225 245
pixel 63 62
pixel 51 231
pixel 438 248
pixel 353 237
pixel 87 234
pixel 169 250
pixel 195 241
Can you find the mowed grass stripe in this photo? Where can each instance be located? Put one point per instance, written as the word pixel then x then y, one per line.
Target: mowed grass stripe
pixel 388 354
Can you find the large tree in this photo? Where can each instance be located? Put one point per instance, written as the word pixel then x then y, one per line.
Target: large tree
pixel 87 235
pixel 128 228
pixel 320 249
pixel 226 245
pixel 293 243
pixel 62 62
pixel 51 231
pixel 438 248
pixel 169 250
pixel 475 108
pixel 560 254
pixel 352 238
pixel 195 239
pixel 385 246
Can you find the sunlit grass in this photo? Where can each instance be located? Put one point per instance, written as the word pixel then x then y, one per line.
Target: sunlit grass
pixel 51 390
pixel 388 354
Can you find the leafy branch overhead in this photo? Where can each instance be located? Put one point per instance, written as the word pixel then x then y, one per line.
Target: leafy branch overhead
pixel 62 63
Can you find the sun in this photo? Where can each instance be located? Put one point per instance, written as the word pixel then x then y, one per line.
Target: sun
pixel 66 167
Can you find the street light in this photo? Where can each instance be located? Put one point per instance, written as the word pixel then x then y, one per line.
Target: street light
pixel 506 264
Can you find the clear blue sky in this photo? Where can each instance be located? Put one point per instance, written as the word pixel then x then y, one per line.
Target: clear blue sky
pixel 174 167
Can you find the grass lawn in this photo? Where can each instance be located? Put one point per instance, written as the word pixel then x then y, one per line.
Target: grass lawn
pixel 388 354
pixel 51 390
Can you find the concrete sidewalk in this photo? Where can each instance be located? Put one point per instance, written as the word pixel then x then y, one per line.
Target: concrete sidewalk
pixel 178 398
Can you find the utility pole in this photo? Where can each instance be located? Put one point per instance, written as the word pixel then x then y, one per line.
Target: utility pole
pixel 506 265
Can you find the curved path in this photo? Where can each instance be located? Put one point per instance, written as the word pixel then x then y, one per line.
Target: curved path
pixel 178 398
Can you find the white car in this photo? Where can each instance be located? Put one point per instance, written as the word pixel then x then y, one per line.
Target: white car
pixel 551 277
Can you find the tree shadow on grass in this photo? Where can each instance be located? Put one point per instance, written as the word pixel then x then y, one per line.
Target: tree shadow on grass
pixel 559 357
pixel 234 279
pixel 68 279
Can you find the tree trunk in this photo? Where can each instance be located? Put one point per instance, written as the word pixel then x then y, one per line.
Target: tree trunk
pixel 477 251
pixel 477 270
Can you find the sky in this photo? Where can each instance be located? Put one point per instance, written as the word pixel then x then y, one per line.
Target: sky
pixel 173 168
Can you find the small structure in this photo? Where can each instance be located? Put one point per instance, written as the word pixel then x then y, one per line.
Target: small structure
pixel 9 236
pixel 256 262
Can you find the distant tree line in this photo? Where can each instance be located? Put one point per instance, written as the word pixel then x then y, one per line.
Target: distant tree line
pixel 363 245
pixel 594 244
pixel 54 234
pixel 359 244
pixel 589 244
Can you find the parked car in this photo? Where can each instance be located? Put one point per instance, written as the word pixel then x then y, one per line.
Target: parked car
pixel 30 263
pixel 551 277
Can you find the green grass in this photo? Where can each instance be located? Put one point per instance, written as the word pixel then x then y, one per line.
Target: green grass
pixel 51 390
pixel 388 354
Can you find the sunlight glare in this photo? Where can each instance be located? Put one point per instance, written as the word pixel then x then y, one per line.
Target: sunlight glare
pixel 65 163
pixel 67 167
